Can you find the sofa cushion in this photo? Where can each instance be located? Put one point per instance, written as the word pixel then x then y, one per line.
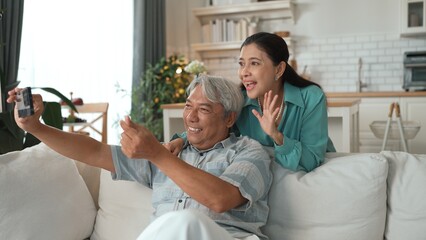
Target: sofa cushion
pixel 42 196
pixel 345 198
pixel 406 196
pixel 124 209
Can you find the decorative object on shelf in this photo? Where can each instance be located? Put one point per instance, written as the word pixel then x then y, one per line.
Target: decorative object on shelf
pixel 283 34
pixel 75 101
pixel 71 117
pixel 195 67
pixel 227 2
pixel 162 83
pixel 252 25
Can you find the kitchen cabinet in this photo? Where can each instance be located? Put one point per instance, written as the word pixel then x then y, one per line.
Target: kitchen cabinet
pixel 377 109
pixel 414 110
pixel 413 22
pixel 238 21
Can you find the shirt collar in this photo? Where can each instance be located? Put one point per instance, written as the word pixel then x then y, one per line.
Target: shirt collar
pixel 248 101
pixel 222 144
pixel 292 94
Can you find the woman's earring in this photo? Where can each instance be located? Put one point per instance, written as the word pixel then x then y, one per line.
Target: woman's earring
pixel 276 78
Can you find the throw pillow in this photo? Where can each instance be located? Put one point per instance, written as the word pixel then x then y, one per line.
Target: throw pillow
pixel 406 196
pixel 124 209
pixel 42 196
pixel 345 198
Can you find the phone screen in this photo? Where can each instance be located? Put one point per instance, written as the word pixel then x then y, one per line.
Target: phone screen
pixel 25 103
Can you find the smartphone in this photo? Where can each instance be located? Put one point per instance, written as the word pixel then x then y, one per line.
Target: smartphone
pixel 25 103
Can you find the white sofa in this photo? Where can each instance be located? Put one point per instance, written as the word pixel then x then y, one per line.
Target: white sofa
pixel 351 197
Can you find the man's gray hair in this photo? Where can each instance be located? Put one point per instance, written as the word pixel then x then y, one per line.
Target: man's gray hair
pixel 219 90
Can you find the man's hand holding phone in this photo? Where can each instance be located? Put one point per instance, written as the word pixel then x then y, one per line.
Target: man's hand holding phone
pixel 24 101
pixel 28 109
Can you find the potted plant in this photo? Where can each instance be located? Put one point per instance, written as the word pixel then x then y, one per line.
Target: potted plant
pixel 162 83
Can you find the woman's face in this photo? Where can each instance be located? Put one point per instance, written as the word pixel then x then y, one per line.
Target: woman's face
pixel 257 72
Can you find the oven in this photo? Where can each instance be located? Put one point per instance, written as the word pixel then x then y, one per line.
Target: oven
pixel 414 71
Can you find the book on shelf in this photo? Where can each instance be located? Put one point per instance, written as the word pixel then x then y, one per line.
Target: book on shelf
pixel 225 30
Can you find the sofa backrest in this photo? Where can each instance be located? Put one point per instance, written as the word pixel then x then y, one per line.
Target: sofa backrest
pixel 345 198
pixel 351 196
pixel 91 176
pixel 406 213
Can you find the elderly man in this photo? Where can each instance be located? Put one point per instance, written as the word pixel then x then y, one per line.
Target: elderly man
pixel 215 189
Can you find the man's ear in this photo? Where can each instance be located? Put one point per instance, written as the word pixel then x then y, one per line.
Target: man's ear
pixel 230 119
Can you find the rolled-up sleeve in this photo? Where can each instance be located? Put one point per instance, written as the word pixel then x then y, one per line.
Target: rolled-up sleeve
pixel 250 172
pixel 138 170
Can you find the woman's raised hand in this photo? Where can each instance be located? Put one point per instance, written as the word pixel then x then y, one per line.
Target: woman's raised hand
pixel 175 146
pixel 269 118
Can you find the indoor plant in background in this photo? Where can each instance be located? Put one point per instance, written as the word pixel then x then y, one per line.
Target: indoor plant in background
pixel 162 83
pixel 12 138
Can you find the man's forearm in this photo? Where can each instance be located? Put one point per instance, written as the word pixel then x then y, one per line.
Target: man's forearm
pixel 76 146
pixel 207 189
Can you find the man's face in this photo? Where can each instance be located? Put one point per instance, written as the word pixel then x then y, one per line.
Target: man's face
pixel 205 121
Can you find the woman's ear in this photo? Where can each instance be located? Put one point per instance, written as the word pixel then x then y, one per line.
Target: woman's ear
pixel 280 69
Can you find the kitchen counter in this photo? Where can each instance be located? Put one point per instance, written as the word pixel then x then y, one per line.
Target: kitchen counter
pixel 375 94
pixel 331 102
pixel 342 102
pixel 374 106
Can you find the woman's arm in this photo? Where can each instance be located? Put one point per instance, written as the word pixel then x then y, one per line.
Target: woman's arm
pixel 176 144
pixel 307 152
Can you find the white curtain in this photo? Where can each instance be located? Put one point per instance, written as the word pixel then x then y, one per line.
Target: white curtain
pixel 80 46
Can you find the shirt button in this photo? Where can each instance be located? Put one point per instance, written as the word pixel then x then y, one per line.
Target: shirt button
pixel 201 154
pixel 180 200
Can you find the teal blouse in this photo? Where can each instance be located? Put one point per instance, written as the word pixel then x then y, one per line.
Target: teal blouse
pixel 304 125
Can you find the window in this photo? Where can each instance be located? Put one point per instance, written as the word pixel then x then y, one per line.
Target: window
pixel 80 46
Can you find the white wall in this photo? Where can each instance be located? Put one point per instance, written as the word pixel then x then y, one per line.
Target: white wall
pixel 329 38
pixel 319 18
pixel 181 26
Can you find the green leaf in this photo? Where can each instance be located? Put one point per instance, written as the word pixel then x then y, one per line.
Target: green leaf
pixel 30 140
pixel 8 121
pixel 58 94
pixel 11 136
pixel 52 114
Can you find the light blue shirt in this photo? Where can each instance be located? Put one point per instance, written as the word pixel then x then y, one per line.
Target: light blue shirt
pixel 239 161
pixel 304 125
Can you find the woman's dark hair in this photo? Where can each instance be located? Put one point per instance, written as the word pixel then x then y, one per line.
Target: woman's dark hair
pixel 276 48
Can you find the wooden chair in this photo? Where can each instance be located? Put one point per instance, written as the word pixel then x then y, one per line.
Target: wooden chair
pixel 101 111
